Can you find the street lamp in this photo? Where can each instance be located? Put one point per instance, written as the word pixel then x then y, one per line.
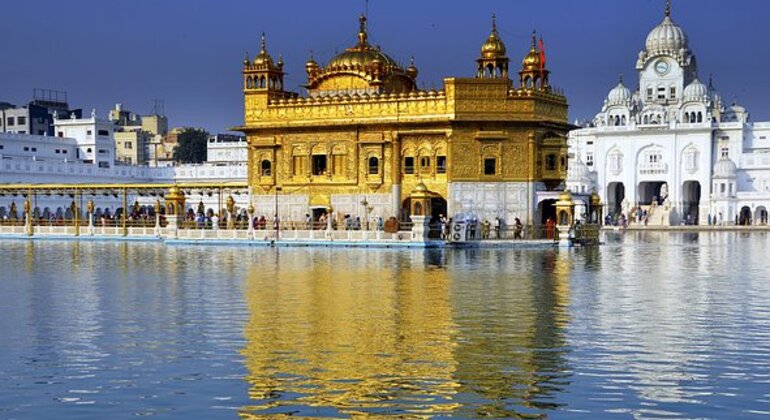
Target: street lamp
pixel 277 230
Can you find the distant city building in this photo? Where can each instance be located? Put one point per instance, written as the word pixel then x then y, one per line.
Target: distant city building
pixel 227 148
pixel 139 138
pixel 671 152
pixel 36 117
pixel 94 136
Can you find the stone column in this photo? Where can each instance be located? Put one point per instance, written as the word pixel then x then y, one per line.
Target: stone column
pixel 420 228
pixel 250 214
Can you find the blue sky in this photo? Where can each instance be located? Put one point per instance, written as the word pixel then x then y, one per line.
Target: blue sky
pixel 189 52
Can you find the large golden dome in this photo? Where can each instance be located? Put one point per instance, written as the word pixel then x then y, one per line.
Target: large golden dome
pixel 360 68
pixel 358 57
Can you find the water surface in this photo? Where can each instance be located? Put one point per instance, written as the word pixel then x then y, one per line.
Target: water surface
pixel 651 325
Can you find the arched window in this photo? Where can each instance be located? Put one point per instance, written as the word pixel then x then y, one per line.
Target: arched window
pixel 417 209
pixel 249 82
pixel 700 117
pixel 686 117
pixel 623 120
pixel 617 120
pixel 374 166
pixel 646 119
pixel 550 162
pixel 266 168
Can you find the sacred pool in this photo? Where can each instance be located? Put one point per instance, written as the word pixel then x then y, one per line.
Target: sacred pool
pixel 648 325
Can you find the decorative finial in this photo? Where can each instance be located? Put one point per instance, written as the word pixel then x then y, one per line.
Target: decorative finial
pixel 411 61
pixel 620 79
pixel 494 23
pixel 263 44
pixel 534 39
pixel 362 36
pixel 311 56
pixel 247 60
pixel 280 59
pixel 668 8
pixel 711 81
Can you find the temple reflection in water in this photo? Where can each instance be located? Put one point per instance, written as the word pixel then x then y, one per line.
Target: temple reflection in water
pixel 399 333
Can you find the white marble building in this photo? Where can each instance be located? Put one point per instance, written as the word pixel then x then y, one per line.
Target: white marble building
pixel 672 150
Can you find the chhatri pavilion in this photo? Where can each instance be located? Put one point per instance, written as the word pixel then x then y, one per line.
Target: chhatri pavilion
pixel 364 137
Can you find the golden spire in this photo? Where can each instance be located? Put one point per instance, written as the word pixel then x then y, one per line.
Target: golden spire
pixel 362 35
pixel 494 23
pixel 263 45
pixel 247 60
pixel 534 39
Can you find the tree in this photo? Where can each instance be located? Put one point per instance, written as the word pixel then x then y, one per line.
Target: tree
pixel 191 145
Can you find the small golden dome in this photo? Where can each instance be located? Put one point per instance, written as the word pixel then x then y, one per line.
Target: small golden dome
pixel 174 193
pixel 311 64
pixel 565 196
pixel 531 61
pixel 411 71
pixel 263 57
pixel 493 47
pixel 421 187
pixel 595 199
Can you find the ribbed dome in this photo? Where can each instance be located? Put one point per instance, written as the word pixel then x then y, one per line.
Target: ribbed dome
pixel 619 94
pixel 363 58
pixel 696 91
pixel 667 36
pixel 578 171
pixel 363 54
pixel 724 168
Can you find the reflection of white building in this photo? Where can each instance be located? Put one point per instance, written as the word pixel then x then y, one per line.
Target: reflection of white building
pixel 671 148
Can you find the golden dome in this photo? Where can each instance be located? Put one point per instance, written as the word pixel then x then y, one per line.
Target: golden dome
pixel 565 196
pixel 411 71
pixel 263 57
pixel 494 47
pixel 595 199
pixel 174 193
pixel 311 64
pixel 356 57
pixel 361 67
pixel 532 59
pixel 420 187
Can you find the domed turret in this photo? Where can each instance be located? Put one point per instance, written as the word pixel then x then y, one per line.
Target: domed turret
pixel 619 94
pixel 493 62
pixel 696 91
pixel 412 69
pixel 533 74
pixel 493 47
pixel 667 36
pixel 725 168
pixel 311 66
pixel 263 58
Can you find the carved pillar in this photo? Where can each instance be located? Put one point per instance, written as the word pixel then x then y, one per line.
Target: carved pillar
pixel 396 175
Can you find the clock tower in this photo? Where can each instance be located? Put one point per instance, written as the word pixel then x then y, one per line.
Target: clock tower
pixel 666 64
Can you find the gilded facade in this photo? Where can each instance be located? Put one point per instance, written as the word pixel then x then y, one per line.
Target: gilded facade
pixel 364 136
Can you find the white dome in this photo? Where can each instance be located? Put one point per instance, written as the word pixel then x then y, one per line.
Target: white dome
pixel 578 171
pixel 696 90
pixel 667 36
pixel 619 94
pixel 724 168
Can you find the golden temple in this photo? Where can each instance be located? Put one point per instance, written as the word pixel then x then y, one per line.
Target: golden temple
pixel 363 137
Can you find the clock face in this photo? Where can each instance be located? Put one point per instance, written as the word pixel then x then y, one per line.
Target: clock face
pixel 661 67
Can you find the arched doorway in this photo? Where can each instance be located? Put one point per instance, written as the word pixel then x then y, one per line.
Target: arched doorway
pixel 616 193
pixel 650 191
pixel 744 219
pixel 547 210
pixel 691 192
pixel 438 207
pixel 760 216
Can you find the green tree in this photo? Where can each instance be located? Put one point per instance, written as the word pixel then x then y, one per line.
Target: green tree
pixel 191 145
